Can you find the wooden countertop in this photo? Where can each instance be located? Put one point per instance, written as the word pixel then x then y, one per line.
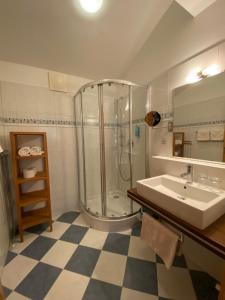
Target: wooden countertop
pixel 213 237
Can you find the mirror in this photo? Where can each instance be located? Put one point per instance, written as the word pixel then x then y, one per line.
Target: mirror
pixel 152 118
pixel 199 119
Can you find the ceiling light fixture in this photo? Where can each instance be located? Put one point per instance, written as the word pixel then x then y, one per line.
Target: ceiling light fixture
pixel 91 6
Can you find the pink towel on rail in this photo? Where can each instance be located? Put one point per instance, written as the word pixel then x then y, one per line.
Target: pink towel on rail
pixel 161 239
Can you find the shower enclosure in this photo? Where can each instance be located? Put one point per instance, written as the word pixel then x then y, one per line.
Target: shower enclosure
pixel 106 135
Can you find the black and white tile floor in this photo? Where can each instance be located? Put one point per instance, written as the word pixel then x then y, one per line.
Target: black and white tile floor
pixel 77 262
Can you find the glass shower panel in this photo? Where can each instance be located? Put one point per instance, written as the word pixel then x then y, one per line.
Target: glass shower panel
pixel 139 136
pixel 116 131
pixel 79 149
pixel 139 133
pixel 90 107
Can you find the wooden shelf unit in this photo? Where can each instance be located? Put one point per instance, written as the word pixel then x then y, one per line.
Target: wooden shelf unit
pixel 30 157
pixel 28 217
pixel 38 176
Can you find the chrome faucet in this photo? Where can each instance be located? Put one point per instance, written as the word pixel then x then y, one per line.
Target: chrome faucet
pixel 189 174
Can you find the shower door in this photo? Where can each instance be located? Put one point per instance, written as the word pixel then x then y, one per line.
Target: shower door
pixel 87 119
pixel 105 146
pixel 117 104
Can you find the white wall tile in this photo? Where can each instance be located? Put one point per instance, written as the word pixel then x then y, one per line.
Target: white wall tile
pixel 9 100
pixel 64 104
pixel 26 101
pixel 45 104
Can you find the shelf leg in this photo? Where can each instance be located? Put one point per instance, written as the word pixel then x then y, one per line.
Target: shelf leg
pixel 50 226
pixel 21 234
pixel 222 289
pixel 1 292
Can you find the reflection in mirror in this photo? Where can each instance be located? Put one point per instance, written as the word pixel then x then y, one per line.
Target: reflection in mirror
pixel 199 119
pixel 178 144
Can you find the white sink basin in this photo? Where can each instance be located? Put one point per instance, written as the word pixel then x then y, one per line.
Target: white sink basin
pixel 194 203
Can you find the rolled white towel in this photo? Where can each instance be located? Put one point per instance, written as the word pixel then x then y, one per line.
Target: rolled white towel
pixel 36 150
pixel 217 134
pixel 24 151
pixel 203 135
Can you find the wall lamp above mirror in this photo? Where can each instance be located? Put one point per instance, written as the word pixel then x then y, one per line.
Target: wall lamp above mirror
pixel 197 74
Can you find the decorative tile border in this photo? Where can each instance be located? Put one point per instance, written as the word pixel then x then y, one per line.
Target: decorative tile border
pixel 37 121
pixel 166 115
pixel 217 122
pixel 33 121
pixel 92 123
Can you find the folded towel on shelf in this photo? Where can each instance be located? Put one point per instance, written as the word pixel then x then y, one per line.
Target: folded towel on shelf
pixel 36 150
pixel 160 238
pixel 202 135
pixel 24 151
pixel 217 134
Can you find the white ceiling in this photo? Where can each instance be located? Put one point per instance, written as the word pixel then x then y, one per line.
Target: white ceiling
pixel 57 35
pixel 195 7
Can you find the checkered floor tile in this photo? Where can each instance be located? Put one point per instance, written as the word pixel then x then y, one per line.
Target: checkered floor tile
pixel 78 262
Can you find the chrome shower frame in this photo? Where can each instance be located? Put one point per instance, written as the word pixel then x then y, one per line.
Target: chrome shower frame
pixel 100 84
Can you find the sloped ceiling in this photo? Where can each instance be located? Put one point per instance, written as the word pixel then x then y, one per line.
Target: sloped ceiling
pixel 57 35
pixel 177 37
